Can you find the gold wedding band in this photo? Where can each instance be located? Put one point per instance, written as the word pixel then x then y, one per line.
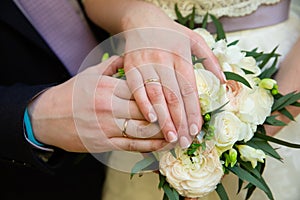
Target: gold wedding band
pixel 124 128
pixel 151 80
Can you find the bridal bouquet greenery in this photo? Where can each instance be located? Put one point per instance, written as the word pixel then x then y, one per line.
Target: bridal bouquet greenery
pixel 233 138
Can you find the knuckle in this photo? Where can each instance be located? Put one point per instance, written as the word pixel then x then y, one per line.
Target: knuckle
pixel 157 145
pixel 187 89
pixel 171 98
pixel 193 115
pixel 154 92
pixel 102 106
pixel 158 55
pixel 132 145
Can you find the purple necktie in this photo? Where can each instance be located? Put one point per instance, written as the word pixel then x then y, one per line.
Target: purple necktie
pixel 62 28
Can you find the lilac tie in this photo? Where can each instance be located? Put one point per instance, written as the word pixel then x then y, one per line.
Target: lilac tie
pixel 62 28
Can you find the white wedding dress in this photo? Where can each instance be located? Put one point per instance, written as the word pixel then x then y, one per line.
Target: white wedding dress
pixel 283 177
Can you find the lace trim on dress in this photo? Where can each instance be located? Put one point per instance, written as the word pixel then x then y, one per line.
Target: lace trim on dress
pixel 219 8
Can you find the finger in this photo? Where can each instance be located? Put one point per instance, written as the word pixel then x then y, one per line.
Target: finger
pixel 136 86
pixel 138 129
pixel 188 90
pixel 126 109
pixel 201 50
pixel 175 104
pixel 157 98
pixel 139 145
pixel 122 90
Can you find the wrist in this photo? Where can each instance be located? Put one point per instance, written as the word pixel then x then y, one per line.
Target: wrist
pixel 152 16
pixel 37 109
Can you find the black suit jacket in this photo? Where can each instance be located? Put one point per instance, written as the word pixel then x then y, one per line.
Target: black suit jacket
pixel 27 67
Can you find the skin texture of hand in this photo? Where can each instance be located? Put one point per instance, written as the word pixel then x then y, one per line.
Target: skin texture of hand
pixel 162 53
pixel 87 113
pixel 288 81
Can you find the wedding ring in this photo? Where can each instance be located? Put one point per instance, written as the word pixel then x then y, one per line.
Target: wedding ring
pixel 151 80
pixel 124 128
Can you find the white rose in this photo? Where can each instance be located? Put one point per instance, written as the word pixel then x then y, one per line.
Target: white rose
pixel 210 90
pixel 250 154
pixel 255 106
pixel 209 39
pixel 250 105
pixel 228 130
pixel 194 178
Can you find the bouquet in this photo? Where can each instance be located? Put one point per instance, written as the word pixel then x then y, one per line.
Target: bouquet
pixel 233 138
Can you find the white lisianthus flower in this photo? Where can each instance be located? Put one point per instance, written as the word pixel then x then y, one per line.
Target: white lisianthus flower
pixel 228 130
pixel 228 54
pixel 194 176
pixel 250 154
pixel 209 39
pixel 209 90
pixel 249 64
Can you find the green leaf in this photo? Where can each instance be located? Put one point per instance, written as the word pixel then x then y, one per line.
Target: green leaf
pixel 247 71
pixel 240 184
pixel 192 19
pixel 285 100
pixel 179 16
pixel 219 28
pixel 236 77
pixel 246 176
pixel 277 141
pixel 221 192
pixel 162 180
pixel 297 104
pixel 233 43
pixel 192 149
pixel 250 189
pixel 173 153
pixel 198 60
pixel 286 113
pixel 170 193
pixel 247 166
pixel 204 21
pixel 268 73
pixel 271 120
pixel 142 164
pixel 267 57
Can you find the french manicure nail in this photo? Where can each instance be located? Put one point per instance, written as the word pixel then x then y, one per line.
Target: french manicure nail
pixel 194 129
pixel 172 137
pixel 152 117
pixel 184 142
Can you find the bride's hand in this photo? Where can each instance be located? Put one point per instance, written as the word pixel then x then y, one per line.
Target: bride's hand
pixel 160 74
pixel 158 64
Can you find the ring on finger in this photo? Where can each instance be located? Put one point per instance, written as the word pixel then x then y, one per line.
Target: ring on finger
pixel 124 128
pixel 151 80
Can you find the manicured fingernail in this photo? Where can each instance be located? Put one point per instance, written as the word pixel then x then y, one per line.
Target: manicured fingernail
pixel 172 137
pixel 184 142
pixel 194 129
pixel 152 117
